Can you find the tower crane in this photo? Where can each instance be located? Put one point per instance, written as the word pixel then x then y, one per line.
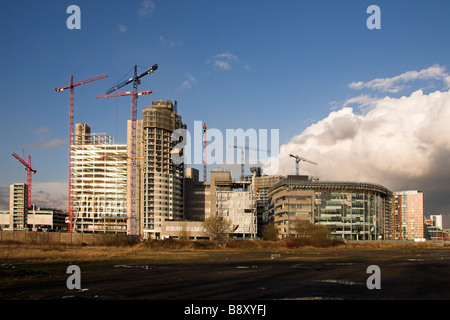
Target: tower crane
pixel 243 148
pixel 30 171
pixel 71 87
pixel 124 93
pixel 297 161
pixel 204 151
pixel 133 158
pixel 135 79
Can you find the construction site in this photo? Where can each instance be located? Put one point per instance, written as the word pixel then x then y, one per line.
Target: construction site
pixel 136 189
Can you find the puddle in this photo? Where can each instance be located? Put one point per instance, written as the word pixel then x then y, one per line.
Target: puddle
pixel 343 282
pixel 415 259
pixel 299 266
pixel 129 266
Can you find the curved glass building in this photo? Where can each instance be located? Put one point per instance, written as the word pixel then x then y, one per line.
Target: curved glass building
pixel 351 210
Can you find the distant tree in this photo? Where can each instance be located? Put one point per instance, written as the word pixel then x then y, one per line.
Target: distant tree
pixel 321 234
pixel 217 228
pixel 303 228
pixel 184 235
pixel 270 232
pixel 306 229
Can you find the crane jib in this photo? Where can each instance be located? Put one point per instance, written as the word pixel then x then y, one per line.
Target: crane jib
pixel 124 83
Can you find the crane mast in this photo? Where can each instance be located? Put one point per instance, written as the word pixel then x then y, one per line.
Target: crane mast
pixel 134 96
pixel 243 148
pixel 71 87
pixel 204 152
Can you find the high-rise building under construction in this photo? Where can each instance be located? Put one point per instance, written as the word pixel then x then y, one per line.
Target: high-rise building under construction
pixel 160 180
pixel 99 183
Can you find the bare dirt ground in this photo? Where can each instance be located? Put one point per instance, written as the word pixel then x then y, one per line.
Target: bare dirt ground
pixel 260 274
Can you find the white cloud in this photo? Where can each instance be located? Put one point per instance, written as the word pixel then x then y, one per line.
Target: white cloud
pixel 43 194
pixel 147 8
pixel 223 61
pixel 364 102
pixel 41 131
pixel 395 84
pixel 226 55
pixel 223 65
pixel 188 83
pixel 401 143
pixel 123 28
pixel 47 144
pixel 50 195
pixel 44 140
pixel 169 43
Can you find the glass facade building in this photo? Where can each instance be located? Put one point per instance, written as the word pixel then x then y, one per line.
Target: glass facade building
pixel 351 210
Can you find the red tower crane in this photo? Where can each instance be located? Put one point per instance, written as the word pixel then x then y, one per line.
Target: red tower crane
pixel 134 95
pixel 30 171
pixel 71 87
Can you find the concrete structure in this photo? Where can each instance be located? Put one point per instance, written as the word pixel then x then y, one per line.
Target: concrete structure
pixel 4 219
pixel 42 219
pixel 353 211
pixel 99 183
pixel 189 230
pixel 161 183
pixel 409 215
pixel 197 196
pixel 18 197
pixel 234 201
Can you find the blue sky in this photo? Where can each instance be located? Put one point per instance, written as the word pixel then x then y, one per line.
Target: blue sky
pixel 232 64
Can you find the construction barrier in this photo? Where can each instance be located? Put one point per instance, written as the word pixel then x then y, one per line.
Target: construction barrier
pixel 70 238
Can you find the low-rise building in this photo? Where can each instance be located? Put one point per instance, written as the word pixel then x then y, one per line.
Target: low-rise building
pixel 43 219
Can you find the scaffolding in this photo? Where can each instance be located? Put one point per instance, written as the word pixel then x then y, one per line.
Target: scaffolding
pixel 99 185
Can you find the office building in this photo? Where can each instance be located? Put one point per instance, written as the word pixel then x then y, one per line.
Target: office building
pixel 351 210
